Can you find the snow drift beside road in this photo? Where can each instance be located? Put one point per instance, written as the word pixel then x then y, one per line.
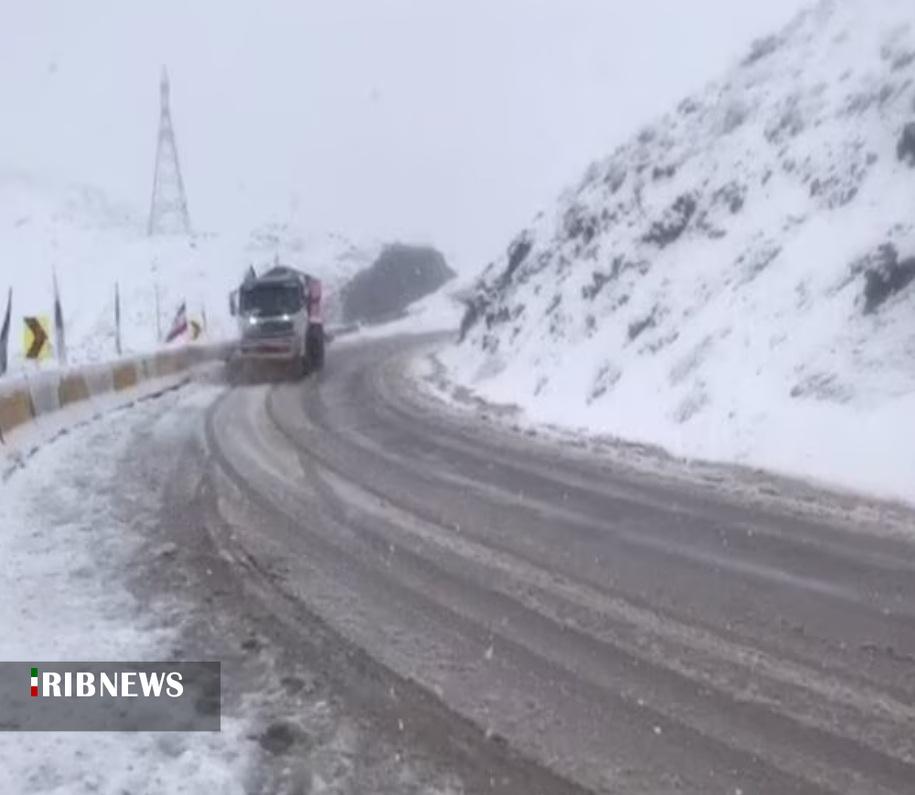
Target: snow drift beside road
pixel 69 549
pixel 436 313
pixel 734 283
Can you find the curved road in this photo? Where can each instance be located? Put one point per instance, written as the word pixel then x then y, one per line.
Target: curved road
pixel 544 622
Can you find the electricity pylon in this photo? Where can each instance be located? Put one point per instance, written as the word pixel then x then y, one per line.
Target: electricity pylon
pixel 168 210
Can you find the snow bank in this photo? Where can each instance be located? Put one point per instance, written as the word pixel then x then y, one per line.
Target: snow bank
pixel 735 282
pixel 438 312
pixel 64 599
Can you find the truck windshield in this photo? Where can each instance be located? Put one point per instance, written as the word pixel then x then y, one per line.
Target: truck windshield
pixel 273 299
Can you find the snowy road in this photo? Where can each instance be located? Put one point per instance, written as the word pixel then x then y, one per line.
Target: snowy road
pixel 627 633
pixel 408 599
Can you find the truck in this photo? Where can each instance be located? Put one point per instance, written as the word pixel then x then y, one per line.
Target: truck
pixel 280 320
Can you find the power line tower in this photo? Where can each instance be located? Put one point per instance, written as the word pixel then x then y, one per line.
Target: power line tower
pixel 168 210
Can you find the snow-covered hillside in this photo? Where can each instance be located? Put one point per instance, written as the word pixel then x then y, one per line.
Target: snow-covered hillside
pixel 735 281
pixel 92 244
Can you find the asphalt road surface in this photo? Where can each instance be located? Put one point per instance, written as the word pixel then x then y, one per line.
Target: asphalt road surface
pixel 527 618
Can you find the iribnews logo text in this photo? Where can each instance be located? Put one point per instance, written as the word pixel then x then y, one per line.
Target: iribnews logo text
pixel 120 684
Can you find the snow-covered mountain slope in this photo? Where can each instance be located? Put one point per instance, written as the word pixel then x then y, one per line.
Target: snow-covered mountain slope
pixel 735 282
pixel 92 244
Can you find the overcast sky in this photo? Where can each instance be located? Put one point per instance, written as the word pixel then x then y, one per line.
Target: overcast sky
pixel 447 121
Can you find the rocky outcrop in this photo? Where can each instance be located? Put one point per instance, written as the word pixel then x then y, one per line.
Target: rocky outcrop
pixel 401 275
pixel 905 149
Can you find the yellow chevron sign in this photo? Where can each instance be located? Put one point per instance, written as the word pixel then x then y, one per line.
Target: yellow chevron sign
pixel 36 337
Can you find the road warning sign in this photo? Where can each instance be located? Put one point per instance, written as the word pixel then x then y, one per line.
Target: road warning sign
pixel 36 342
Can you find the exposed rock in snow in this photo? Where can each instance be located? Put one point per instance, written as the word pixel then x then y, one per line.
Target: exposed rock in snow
pixel 736 281
pixel 905 149
pixel 886 278
pixel 401 275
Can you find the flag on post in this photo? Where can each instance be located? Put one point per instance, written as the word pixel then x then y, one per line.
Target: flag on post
pixel 59 339
pixel 5 333
pixel 179 324
pixel 117 318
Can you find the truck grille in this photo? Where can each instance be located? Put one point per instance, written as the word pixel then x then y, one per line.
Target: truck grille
pixel 271 328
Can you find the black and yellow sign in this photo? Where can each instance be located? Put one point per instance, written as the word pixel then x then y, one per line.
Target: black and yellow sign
pixel 36 340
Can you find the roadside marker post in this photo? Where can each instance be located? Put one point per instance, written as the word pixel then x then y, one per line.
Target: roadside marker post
pixel 36 340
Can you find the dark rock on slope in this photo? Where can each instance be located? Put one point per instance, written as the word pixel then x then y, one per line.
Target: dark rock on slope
pixel 401 275
pixel 887 277
pixel 905 149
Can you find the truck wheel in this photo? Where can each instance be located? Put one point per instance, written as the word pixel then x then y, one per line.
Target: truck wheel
pixel 304 366
pixel 315 347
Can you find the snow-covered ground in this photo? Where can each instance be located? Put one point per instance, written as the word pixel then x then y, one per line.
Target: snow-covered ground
pixel 734 282
pixel 93 243
pixel 65 598
pixel 440 311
